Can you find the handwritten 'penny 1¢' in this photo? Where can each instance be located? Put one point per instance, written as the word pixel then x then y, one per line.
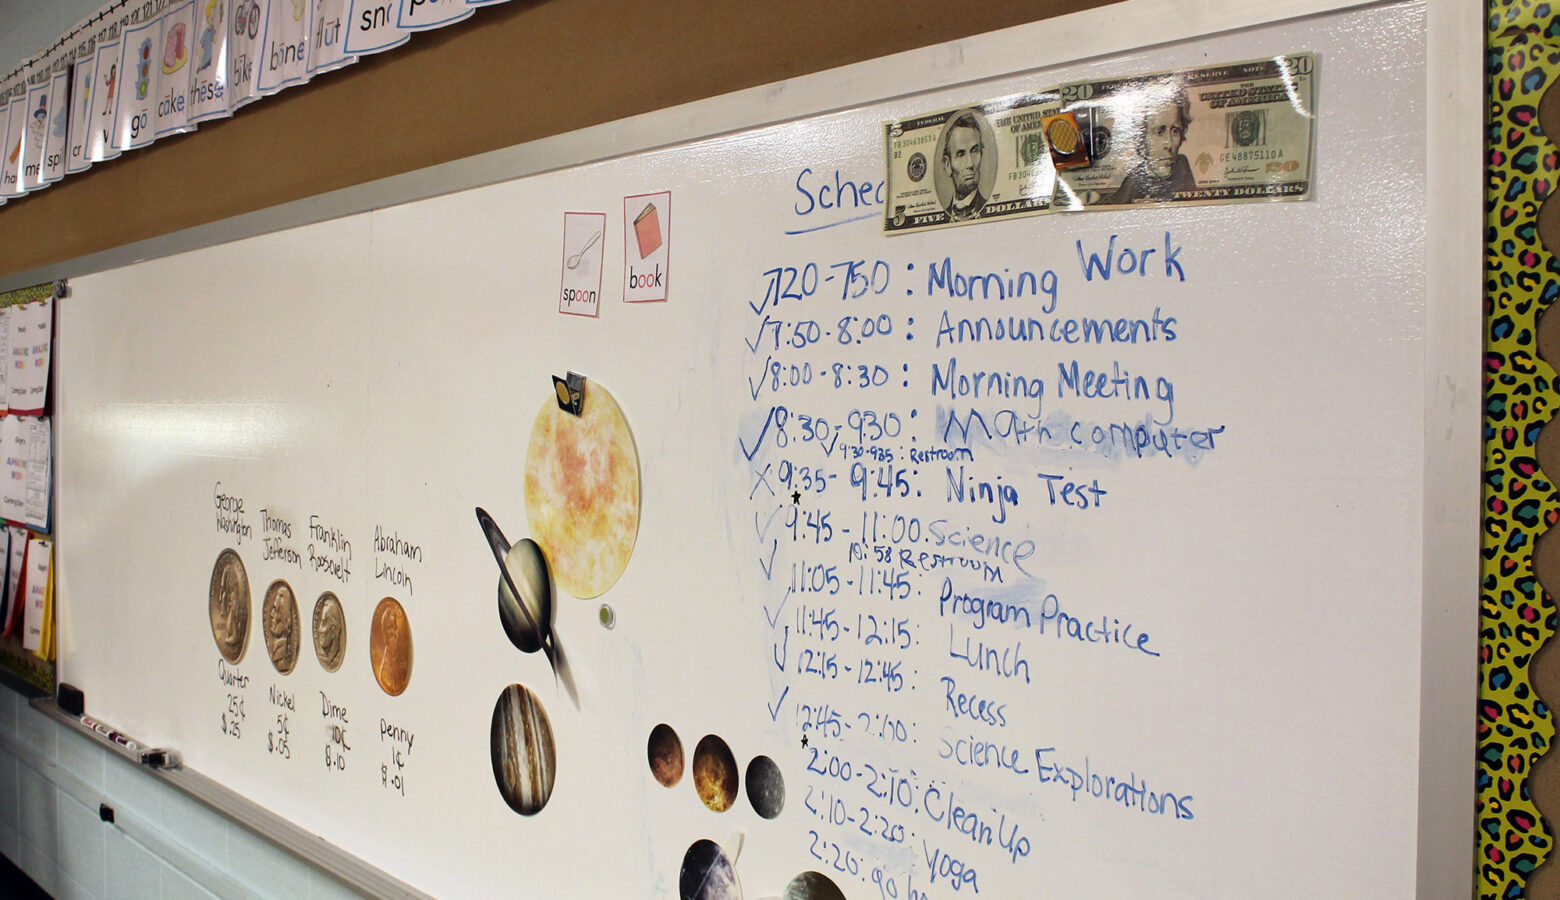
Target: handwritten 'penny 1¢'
pixel 330 631
pixel 228 606
pixel 279 619
pixel 390 646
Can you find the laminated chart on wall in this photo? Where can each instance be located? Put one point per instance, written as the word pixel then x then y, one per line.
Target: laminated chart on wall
pixel 30 342
pixel 174 48
pixel 190 61
pixel 284 44
pixel 245 51
pixel 58 126
pixel 14 149
pixel 136 99
pixel 80 116
pixel 328 42
pixel 36 628
pixel 86 95
pixel 422 15
pixel 99 142
pixel 36 133
pixel 373 26
pixel 209 69
pixel 154 52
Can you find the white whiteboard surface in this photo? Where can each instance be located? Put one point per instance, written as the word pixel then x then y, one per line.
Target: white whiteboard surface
pixel 383 369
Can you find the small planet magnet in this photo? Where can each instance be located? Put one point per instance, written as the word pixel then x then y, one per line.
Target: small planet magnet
pixel 524 589
pixel 666 755
pixel 708 874
pixel 715 773
pixel 813 886
pixel 765 787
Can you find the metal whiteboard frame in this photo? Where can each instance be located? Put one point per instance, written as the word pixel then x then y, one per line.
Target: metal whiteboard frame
pixel 1453 264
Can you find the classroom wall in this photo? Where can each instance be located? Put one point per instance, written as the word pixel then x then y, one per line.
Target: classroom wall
pixel 513 73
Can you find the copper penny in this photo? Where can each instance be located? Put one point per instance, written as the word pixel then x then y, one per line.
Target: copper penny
pixel 390 646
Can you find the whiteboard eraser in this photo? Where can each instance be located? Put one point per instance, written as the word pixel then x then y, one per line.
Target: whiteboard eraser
pixel 162 758
pixel 71 699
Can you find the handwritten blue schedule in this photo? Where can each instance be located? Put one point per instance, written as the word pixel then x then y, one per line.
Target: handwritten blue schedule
pixel 921 432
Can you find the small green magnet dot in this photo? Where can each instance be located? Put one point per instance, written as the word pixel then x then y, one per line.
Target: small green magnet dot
pixel 608 617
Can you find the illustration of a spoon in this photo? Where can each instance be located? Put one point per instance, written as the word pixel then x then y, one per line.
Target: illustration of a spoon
pixel 574 261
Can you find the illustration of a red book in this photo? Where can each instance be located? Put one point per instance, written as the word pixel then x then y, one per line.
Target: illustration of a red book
pixel 647 228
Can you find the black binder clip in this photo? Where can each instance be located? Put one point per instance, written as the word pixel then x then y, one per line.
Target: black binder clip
pixel 571 392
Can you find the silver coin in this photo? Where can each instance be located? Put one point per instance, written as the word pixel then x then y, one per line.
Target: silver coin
pixel 279 622
pixel 229 606
pixel 330 631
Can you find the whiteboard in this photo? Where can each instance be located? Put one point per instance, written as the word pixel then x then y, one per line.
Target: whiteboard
pixel 981 707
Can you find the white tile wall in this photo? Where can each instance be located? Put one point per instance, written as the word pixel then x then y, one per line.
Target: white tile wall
pixel 79 757
pixel 80 845
pixel 38 814
pixel 50 827
pixel 131 871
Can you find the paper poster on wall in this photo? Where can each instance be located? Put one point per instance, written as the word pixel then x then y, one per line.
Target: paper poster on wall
pixel 14 452
pixel 31 335
pixel 421 15
pixel 42 356
pixel 14 146
pixel 327 49
pixel 580 293
pixel 40 554
pixel 17 578
pixel 35 136
pixel 47 650
pixel 283 60
pixel 140 79
pixel 59 117
pixel 208 78
pixel 81 95
pixel 16 563
pixel 99 144
pixel 647 238
pixel 372 27
pixel 176 29
pixel 5 355
pixel 6 597
pixel 39 483
pixel 246 20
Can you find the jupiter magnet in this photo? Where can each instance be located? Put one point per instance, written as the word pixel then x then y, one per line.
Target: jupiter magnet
pixel 524 756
